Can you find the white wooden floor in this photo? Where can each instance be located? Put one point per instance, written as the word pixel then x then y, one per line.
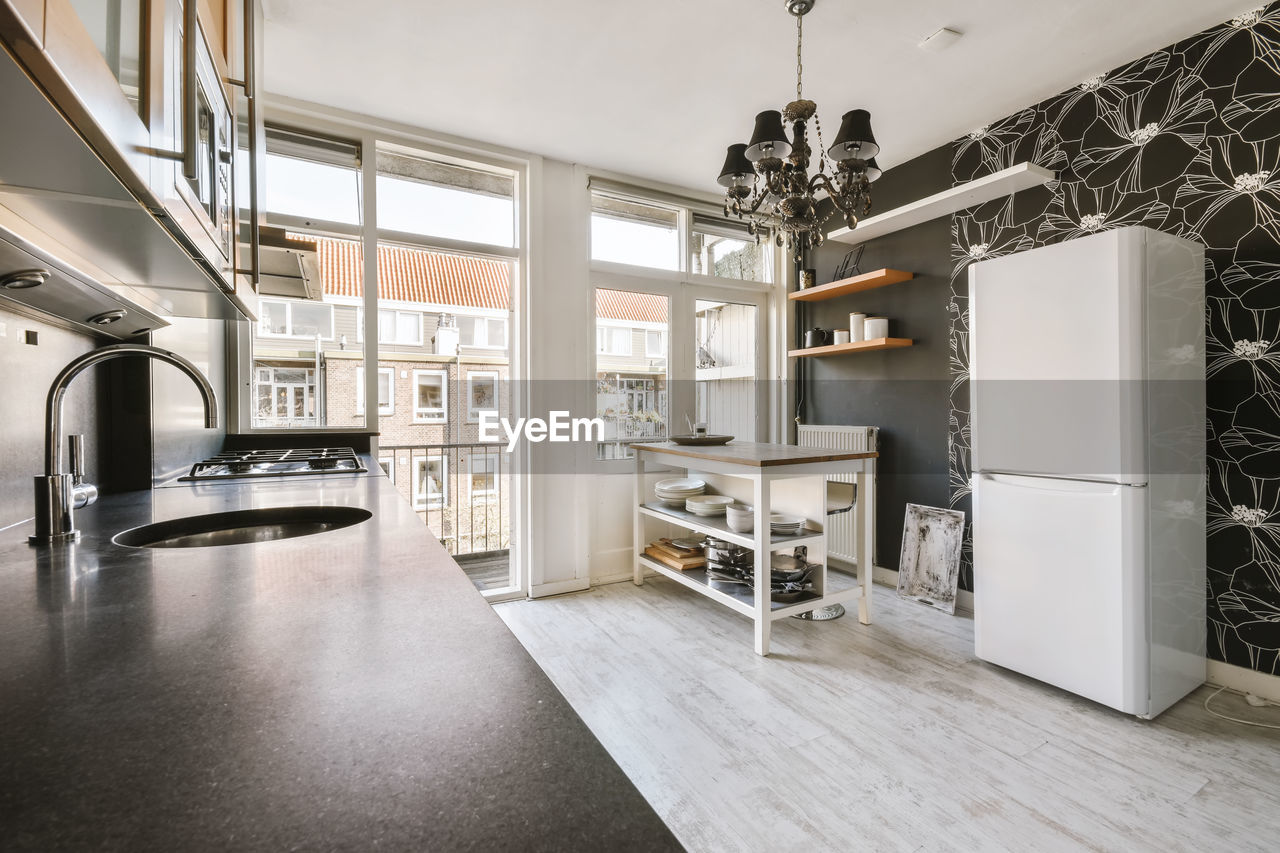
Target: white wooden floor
pixel 886 737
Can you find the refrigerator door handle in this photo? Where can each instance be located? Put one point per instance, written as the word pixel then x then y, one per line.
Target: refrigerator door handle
pixel 1062 485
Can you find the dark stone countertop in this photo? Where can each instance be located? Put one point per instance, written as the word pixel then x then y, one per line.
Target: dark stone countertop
pixel 344 691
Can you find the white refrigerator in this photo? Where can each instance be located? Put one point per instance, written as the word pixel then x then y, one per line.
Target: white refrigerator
pixel 1088 440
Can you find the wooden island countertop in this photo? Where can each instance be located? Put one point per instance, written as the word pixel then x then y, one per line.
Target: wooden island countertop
pixel 754 453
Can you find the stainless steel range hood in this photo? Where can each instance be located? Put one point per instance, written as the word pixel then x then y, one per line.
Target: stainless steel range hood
pixel 58 196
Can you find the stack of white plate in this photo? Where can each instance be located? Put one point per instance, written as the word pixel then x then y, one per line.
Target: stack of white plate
pixel 781 524
pixel 675 492
pixel 707 505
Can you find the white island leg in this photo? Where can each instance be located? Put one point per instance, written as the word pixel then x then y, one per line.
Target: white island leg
pixel 762 564
pixel 866 533
pixel 638 523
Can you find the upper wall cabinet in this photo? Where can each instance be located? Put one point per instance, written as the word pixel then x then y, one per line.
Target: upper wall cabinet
pixel 24 21
pixel 148 84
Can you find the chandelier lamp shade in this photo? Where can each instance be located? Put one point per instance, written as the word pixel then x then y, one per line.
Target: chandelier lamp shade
pixel 767 180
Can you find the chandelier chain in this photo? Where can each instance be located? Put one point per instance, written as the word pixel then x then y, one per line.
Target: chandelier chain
pixel 799 56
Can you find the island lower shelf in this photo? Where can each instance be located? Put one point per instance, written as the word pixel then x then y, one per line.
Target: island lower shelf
pixel 743 599
pixel 716 526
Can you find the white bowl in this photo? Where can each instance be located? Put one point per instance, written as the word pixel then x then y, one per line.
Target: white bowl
pixel 681 484
pixel 740 523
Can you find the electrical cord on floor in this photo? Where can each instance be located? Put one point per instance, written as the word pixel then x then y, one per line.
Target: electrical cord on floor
pixel 1214 695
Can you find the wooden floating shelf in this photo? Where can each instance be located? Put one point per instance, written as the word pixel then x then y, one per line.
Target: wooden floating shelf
pixel 856 284
pixel 997 185
pixel 855 346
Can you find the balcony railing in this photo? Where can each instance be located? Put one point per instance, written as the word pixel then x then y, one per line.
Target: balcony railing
pixel 462 492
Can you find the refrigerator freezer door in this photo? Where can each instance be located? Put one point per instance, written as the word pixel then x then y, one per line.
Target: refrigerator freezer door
pixel 1057 359
pixel 1060 584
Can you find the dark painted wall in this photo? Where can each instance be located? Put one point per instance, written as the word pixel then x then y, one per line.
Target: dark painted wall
pixel 905 392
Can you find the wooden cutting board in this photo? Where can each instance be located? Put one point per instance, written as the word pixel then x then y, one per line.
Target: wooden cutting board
pixel 674 550
pixel 696 561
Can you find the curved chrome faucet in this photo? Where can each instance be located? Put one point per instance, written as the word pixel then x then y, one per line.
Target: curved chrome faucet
pixel 59 493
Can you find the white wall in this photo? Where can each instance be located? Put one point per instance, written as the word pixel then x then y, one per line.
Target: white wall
pixel 561 347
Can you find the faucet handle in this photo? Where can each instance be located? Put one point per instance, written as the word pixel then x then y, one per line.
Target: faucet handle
pixel 75 447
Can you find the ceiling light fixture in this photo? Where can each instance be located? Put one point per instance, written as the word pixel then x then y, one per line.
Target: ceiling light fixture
pixel 768 177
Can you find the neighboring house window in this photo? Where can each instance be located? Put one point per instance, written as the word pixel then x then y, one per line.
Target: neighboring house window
pixel 612 340
pixel 388 466
pixel 286 396
pixel 430 396
pixel 655 344
pixel 487 332
pixel 482 393
pixel 430 481
pixel 386 395
pixel 394 327
pixel 290 319
pixel 484 475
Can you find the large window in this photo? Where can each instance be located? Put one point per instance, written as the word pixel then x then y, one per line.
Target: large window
pixel 386 391
pixel 487 332
pixel 430 396
pixel 434 198
pixel 295 319
pixel 626 231
pixel 430 481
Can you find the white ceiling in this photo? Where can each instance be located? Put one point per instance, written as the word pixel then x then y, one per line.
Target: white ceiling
pixel 658 88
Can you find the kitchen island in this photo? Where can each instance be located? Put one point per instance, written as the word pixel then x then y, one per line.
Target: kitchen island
pixel 349 690
pixel 771 478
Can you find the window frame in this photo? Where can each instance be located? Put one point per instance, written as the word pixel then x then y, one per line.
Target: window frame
pixel 492 491
pixel 616 330
pixel 473 414
pixel 383 411
pixel 420 469
pixel 661 351
pixel 288 305
pixel 423 416
pixel 481 321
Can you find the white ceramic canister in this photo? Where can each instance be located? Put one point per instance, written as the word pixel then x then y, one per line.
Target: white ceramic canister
pixel 875 327
pixel 855 326
pixel 842 336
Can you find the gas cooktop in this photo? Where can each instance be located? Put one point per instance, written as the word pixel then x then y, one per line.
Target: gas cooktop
pixel 277 463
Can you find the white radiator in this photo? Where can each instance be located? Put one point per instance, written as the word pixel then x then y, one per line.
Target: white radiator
pixel 841 541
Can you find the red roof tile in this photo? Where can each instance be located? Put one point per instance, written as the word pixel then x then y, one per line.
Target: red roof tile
pixel 628 305
pixel 416 275
pixel 438 278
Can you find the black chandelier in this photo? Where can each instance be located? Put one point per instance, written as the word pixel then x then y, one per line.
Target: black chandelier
pixel 768 178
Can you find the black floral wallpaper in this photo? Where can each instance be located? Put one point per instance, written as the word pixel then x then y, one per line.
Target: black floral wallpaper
pixel 1186 140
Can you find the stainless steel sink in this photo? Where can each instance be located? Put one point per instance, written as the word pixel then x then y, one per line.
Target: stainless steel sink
pixel 242 527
